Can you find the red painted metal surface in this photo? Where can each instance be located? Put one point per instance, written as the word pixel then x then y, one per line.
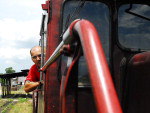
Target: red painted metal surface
pixel 105 95
pixel 103 88
pixel 137 84
pixel 52 86
pixel 64 88
pixel 46 6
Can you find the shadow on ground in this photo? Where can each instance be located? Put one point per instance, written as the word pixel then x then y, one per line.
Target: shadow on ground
pixel 18 96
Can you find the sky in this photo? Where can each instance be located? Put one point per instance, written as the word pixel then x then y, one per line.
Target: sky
pixel 20 22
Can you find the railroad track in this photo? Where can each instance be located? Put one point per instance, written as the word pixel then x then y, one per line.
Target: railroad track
pixel 11 100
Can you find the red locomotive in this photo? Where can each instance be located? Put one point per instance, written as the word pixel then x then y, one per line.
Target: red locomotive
pixel 105 67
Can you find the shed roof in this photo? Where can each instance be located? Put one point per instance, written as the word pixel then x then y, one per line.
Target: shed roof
pixel 16 74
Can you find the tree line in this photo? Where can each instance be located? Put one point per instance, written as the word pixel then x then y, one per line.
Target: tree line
pixel 8 70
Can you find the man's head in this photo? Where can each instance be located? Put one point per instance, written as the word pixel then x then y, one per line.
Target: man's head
pixel 36 55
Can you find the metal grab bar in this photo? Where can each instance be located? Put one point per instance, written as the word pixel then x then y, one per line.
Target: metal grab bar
pixel 56 53
pixel 104 92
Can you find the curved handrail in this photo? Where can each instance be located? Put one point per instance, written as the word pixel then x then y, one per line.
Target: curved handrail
pixel 57 53
pixel 104 92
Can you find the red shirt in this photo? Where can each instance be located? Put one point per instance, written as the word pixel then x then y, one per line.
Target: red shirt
pixel 34 74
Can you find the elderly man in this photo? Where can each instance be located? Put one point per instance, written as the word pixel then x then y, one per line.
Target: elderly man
pixel 32 80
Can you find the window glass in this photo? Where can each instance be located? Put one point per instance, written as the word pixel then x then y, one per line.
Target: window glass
pixel 134 27
pixel 98 14
pixel 95 12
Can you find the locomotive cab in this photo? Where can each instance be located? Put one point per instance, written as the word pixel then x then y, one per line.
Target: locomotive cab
pixel 105 67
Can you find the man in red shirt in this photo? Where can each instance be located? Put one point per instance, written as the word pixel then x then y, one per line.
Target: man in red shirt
pixel 32 80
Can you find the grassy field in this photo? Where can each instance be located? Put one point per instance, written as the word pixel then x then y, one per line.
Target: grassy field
pixel 17 104
pixel 23 105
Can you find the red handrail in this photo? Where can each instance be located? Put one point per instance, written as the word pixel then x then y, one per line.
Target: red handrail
pixel 104 92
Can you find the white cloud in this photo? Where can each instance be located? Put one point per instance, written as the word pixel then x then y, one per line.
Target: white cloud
pixel 17 65
pixel 9 53
pixel 25 3
pixel 19 59
pixel 142 9
pixel 19 30
pixel 128 20
pixel 20 22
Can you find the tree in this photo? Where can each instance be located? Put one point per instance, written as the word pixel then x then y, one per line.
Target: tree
pixel 0 78
pixel 10 70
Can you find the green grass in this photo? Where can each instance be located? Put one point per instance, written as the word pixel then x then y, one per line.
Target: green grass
pixel 7 107
pixel 20 105
pixel 2 102
pixel 17 105
pixel 23 106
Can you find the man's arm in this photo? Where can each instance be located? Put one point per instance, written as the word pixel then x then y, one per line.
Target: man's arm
pixel 30 86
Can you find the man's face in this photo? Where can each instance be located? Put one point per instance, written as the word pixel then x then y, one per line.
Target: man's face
pixel 36 56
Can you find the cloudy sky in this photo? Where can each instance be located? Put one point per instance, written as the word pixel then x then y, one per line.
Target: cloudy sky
pixel 20 22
